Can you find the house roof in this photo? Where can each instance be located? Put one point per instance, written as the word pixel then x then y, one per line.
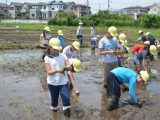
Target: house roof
pixel 134 7
pixel 39 4
pixel 3 5
pixel 81 5
pixel 16 4
pixel 53 2
pixel 68 3
pixel 156 4
pixel 29 4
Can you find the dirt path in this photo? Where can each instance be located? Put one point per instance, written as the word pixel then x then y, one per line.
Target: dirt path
pixel 24 93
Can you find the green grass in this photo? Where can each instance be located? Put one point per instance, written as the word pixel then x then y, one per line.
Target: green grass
pixel 70 32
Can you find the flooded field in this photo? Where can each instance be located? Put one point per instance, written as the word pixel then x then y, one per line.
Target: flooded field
pixel 24 93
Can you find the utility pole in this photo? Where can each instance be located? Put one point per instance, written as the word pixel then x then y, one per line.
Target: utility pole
pixel 99 7
pixel 6 1
pixel 108 4
pixel 87 3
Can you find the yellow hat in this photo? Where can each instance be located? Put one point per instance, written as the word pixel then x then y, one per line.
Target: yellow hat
pixel 77 65
pixel 55 44
pixel 140 31
pixel 144 75
pixel 80 23
pixel 76 45
pixel 153 49
pixel 113 31
pixel 122 37
pixel 47 29
pixel 148 33
pixel 158 47
pixel 146 42
pixel 60 32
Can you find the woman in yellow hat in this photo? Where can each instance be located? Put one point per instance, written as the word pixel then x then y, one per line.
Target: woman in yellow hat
pixel 55 64
pixel 44 39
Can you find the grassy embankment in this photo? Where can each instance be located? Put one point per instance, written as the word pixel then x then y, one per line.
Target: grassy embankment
pixel 27 34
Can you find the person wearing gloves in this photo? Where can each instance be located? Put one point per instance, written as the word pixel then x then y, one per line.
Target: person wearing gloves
pixel 55 65
pixel 119 76
pixel 61 38
pixel 75 67
pixel 71 51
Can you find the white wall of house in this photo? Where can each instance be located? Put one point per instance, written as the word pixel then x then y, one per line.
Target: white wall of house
pixel 154 10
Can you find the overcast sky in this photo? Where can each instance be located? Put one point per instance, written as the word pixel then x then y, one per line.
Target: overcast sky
pixel 99 4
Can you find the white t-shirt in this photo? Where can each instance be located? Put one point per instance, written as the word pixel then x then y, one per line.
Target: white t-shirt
pixel 67 51
pixel 56 63
pixel 79 30
pixel 45 40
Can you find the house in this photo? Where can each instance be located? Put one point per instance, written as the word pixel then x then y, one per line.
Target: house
pixel 155 9
pixel 134 11
pixel 50 9
pixel 78 9
pixel 35 11
pixel 25 11
pixel 14 10
pixel 3 10
pixel 81 10
pixel 69 7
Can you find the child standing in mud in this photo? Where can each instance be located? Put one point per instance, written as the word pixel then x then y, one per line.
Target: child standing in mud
pixel 75 67
pixel 44 39
pixel 71 51
pixel 94 41
pixel 119 76
pixel 55 64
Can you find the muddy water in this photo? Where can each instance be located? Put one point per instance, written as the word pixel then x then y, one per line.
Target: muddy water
pixel 24 93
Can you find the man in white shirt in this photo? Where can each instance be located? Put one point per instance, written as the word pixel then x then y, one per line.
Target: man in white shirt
pixel 79 33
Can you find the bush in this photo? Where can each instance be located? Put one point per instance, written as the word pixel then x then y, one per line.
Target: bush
pixel 149 21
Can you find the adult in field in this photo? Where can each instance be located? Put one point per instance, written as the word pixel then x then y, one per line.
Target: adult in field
pixel 108 47
pixel 79 33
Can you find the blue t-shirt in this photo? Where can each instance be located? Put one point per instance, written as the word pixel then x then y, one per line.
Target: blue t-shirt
pixel 126 75
pixel 61 38
pixel 94 41
pixel 108 45
pixel 142 54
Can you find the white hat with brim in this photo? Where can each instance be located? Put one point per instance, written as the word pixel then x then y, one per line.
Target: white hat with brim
pixel 140 31
pixel 148 33
pixel 47 29
pixel 80 23
pixel 144 75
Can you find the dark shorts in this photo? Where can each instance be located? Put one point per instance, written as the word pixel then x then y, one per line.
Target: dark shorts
pixel 79 36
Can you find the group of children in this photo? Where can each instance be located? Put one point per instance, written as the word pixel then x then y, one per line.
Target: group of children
pixel 59 58
pixel 114 50
pixel 60 64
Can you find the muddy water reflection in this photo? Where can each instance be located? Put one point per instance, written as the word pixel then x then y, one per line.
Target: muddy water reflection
pixel 24 91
